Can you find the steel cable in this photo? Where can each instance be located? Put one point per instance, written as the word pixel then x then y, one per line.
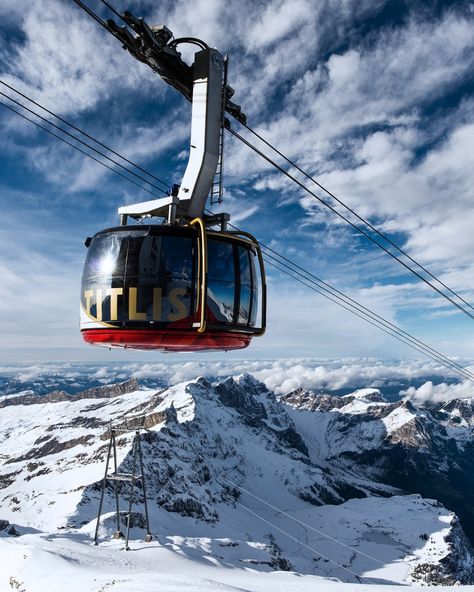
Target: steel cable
pixel 357 305
pixel 363 220
pixel 85 134
pixel 83 143
pixel 360 230
pixel 76 148
pixel 440 358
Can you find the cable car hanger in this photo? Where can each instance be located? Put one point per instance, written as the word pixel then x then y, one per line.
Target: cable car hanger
pixel 183 285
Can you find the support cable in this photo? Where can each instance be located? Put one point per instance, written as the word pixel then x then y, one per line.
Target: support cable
pixel 362 219
pixel 354 305
pixel 360 230
pixel 110 7
pixel 307 526
pixel 85 134
pixel 92 14
pixel 82 142
pixel 76 148
pixel 104 24
pixel 441 359
pixel 312 549
pixel 297 540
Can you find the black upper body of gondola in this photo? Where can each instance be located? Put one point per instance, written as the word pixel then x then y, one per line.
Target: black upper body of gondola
pixel 144 287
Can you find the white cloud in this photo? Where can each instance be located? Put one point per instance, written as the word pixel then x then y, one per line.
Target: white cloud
pixel 38 292
pixel 66 61
pixel 279 375
pixel 278 20
pixel 380 173
pixel 435 393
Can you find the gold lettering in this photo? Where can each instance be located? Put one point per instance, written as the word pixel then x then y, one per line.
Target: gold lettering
pixel 88 296
pixel 114 293
pixel 98 306
pixel 157 296
pixel 181 309
pixel 133 314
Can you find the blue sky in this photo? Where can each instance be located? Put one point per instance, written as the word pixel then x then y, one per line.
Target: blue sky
pixel 372 97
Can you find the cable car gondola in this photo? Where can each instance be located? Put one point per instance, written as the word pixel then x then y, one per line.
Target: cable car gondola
pixel 144 287
pixel 181 285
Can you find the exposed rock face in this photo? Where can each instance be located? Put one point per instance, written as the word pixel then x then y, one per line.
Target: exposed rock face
pixel 304 399
pixel 102 392
pixel 456 412
pixel 424 450
pixel 453 569
pixel 7 528
pixel 203 441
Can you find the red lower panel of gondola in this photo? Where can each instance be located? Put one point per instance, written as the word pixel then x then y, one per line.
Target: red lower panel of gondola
pixel 173 341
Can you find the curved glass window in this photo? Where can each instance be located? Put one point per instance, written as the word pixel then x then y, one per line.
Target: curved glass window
pixel 138 277
pixel 221 281
pixel 245 301
pixel 232 296
pixel 255 286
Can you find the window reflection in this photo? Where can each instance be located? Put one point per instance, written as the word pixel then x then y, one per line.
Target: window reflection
pixel 134 276
pixel 221 281
pixel 139 277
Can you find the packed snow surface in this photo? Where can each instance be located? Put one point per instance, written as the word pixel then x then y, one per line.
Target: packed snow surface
pixel 63 562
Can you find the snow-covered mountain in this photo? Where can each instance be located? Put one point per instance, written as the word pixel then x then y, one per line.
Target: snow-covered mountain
pixel 427 450
pixel 235 476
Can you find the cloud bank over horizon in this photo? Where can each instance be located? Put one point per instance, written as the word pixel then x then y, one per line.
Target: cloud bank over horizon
pixel 412 379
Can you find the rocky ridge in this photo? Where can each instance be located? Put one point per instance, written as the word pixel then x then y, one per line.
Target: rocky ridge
pixel 427 450
pixel 205 441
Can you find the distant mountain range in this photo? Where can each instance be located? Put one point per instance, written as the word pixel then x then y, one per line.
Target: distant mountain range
pixel 428 450
pixel 75 377
pixel 306 482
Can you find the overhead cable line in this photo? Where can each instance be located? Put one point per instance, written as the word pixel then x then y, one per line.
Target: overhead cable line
pixel 106 26
pixel 358 216
pixel 322 288
pixel 305 188
pixel 297 540
pixel 311 281
pixel 75 147
pixel 83 143
pixel 85 134
pixel 440 358
pixel 342 299
pixel 358 577
pixel 91 13
pixel 346 219
pixel 110 7
pixel 354 304
pixel 307 526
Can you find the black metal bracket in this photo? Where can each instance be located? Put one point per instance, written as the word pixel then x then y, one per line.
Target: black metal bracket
pixel 155 47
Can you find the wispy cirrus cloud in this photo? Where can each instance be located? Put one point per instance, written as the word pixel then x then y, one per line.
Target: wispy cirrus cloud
pixel 69 68
pixel 376 110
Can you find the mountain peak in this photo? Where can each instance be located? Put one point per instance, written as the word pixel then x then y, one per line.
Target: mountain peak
pixel 367 394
